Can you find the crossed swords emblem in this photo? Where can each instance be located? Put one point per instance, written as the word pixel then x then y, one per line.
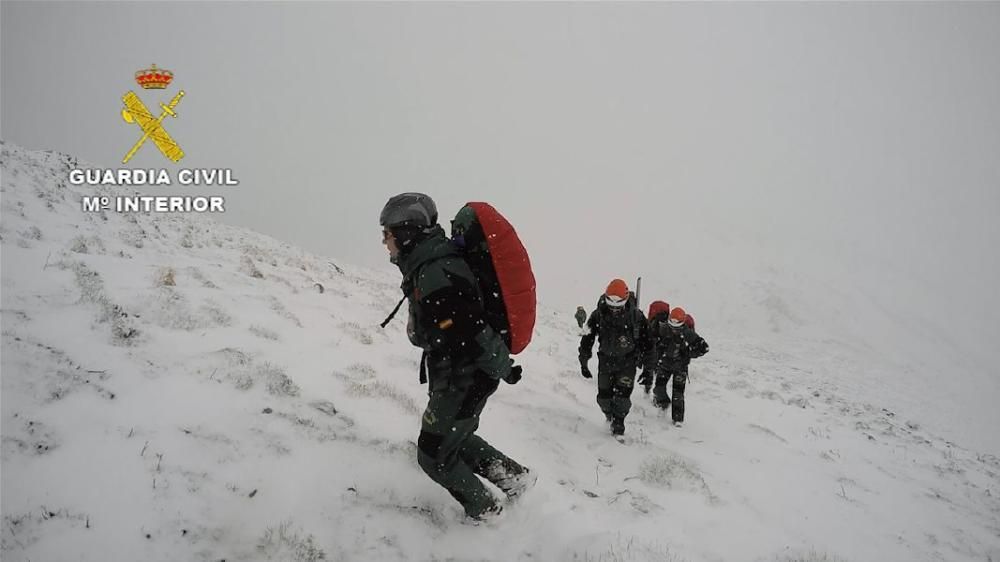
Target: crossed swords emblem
pixel 135 112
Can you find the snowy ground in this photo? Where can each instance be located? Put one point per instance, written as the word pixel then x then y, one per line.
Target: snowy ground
pixel 177 389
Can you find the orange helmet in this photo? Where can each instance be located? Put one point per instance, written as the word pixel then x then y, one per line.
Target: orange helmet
pixel 616 294
pixel 677 317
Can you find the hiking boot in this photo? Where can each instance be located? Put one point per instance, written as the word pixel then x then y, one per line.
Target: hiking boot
pixel 516 485
pixel 678 423
pixel 512 478
pixel 490 515
pixel 617 427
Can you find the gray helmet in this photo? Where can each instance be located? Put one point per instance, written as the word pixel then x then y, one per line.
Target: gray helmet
pixel 409 209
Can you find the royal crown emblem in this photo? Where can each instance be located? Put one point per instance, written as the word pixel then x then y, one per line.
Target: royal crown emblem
pixel 153 78
pixel 152 125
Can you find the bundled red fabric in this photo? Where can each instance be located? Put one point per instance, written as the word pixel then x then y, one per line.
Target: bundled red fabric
pixel 501 265
pixel 657 307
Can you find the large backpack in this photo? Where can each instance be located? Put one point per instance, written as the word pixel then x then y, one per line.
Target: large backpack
pixel 657 307
pixel 502 269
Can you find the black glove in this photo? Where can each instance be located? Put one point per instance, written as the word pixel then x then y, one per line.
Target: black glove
pixel 514 376
pixel 585 370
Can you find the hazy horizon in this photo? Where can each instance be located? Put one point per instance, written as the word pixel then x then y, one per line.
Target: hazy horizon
pixel 653 139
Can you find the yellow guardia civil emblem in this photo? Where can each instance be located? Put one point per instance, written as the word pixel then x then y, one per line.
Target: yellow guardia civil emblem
pixel 152 126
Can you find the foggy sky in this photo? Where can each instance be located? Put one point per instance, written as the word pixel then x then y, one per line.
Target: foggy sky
pixel 621 139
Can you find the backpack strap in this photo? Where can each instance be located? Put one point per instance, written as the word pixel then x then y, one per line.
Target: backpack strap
pixel 393 313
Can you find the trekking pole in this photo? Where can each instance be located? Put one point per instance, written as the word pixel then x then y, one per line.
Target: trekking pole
pixel 638 289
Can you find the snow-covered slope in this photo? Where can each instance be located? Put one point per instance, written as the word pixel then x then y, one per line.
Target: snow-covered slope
pixel 177 389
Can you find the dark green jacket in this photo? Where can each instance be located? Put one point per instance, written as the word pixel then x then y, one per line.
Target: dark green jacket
pixel 446 315
pixel 622 336
pixel 673 348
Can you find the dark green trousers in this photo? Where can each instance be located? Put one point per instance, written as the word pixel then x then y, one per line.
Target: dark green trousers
pixel 450 452
pixel 615 381
pixel 660 398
